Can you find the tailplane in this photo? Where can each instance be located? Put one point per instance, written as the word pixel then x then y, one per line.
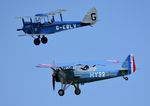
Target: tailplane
pixel 90 17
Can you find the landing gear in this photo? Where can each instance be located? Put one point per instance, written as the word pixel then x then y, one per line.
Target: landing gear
pixel 44 40
pixel 77 91
pixel 126 78
pixel 37 41
pixel 64 87
pixel 61 92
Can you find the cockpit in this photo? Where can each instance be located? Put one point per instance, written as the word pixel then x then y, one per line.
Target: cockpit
pixel 43 18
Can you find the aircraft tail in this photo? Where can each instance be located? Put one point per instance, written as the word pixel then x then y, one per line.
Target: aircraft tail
pixel 90 17
pixel 129 64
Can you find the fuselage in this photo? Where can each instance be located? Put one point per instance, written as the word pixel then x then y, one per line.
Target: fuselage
pixel 49 28
pixel 90 75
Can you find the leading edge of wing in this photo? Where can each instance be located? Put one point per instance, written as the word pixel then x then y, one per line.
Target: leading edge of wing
pixel 45 66
pixel 90 63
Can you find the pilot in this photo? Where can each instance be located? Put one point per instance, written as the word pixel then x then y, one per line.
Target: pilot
pixel 86 67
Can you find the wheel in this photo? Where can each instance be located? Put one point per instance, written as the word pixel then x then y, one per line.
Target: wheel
pixel 77 91
pixel 44 40
pixel 61 92
pixel 126 78
pixel 37 41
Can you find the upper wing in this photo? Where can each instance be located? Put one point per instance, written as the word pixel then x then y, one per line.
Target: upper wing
pixel 53 67
pixel 79 64
pixel 59 11
pixel 90 63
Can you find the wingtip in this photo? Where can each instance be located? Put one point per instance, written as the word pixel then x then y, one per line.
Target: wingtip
pixel 45 66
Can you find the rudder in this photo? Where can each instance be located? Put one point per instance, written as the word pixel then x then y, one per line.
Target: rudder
pixel 90 17
pixel 129 64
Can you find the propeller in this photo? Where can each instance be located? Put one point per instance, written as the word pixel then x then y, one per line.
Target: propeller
pixel 23 21
pixel 54 75
pixel 55 72
pixel 53 80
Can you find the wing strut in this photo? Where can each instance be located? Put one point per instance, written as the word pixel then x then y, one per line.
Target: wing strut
pixel 61 17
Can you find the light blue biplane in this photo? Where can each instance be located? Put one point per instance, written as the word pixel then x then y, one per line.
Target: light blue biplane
pixel 85 72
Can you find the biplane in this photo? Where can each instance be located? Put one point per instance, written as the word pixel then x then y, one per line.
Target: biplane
pixel 44 24
pixel 85 72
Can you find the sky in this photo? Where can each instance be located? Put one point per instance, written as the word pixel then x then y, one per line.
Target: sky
pixel 123 27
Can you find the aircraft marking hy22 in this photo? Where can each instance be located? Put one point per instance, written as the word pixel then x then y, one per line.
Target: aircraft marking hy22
pixel 45 24
pixel 86 72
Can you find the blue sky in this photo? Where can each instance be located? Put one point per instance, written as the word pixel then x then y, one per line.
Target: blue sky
pixel 123 28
